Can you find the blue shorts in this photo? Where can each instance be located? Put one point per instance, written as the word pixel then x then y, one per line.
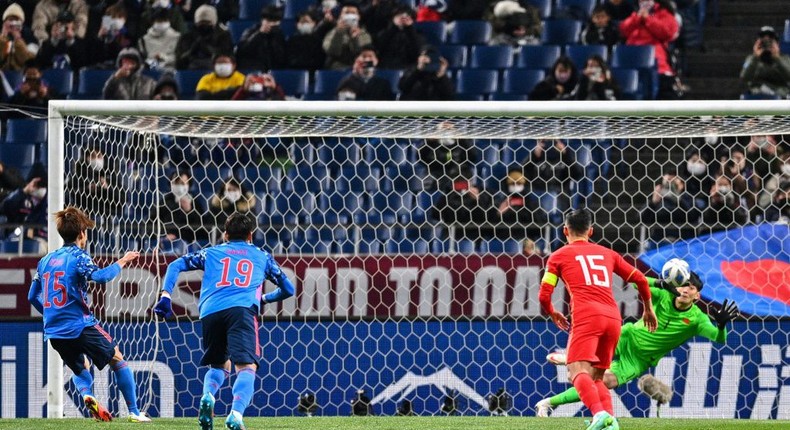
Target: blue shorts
pixel 93 342
pixel 231 334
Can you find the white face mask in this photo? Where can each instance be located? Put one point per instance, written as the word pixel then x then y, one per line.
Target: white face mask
pixel 696 168
pixel 233 196
pixel 329 4
pixel 96 163
pixel 256 87
pixel 786 169
pixel 179 190
pixel 761 141
pixel 39 193
pixel 162 3
pixel 516 188
pixel 305 27
pixel 160 27
pixel 346 95
pixel 117 23
pixel 447 141
pixel 712 139
pixel 223 70
pixel 724 189
pixel 351 19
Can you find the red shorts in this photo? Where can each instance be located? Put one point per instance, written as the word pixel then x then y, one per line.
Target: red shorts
pixel 594 340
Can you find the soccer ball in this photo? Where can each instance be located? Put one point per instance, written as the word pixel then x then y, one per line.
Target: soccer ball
pixel 676 272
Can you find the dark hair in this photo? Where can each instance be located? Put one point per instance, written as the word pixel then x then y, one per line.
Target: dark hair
pixel 599 9
pixel 579 221
pixel 272 13
pixel 696 281
pixel 368 47
pixel 71 222
pixel 601 62
pixel 160 14
pixel 223 54
pixel 239 226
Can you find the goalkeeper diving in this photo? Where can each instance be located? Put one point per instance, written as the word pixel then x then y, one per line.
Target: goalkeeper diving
pixel 679 319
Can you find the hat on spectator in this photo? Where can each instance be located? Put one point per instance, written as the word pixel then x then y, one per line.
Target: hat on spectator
pixel 206 13
pixel 769 31
pixel 14 10
pixel 65 16
pixel 272 13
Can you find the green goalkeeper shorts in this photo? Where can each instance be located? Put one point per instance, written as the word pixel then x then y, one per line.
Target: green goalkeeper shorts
pixel 627 365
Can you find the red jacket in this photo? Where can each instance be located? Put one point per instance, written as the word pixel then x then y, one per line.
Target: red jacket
pixel 658 30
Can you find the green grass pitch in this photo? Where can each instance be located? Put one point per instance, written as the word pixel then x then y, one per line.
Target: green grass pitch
pixel 401 423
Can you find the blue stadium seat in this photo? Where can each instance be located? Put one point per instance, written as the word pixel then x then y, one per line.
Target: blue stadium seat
pixel 454 54
pixel 293 7
pixel 408 241
pixel 538 56
pixel 642 58
pixel 313 241
pixel 471 97
pixel 307 179
pixel 628 81
pixel 470 32
pixel 358 178
pixel 236 27
pixel 576 9
pixel 14 78
pixel 26 131
pixel 375 210
pixel 391 75
pixel 465 246
pixel 262 179
pixel 288 27
pixel 489 150
pixel 60 81
pixel 521 81
pixel 371 240
pixel 251 9
pixel 294 82
pixel 491 57
pixel 497 246
pixel 516 150
pixel 287 209
pixel 433 32
pixel 544 7
pixel 561 32
pixel 337 152
pixel 786 33
pixel 18 155
pixel 385 152
pixel 91 82
pixel 302 151
pixel 580 53
pixel 750 96
pixel 187 81
pixel 476 81
pixel 326 81
pixel 12 246
pixel 505 97
pixel 319 96
pixel 404 177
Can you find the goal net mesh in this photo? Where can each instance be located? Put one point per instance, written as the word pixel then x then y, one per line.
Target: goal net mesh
pixel 406 238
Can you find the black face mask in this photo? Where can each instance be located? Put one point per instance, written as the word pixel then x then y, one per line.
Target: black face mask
pixel 204 29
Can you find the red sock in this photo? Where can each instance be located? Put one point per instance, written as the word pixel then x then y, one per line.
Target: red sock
pixel 605 396
pixel 588 392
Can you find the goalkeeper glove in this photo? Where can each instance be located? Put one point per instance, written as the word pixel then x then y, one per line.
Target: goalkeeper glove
pixel 727 313
pixel 163 308
pixel 664 285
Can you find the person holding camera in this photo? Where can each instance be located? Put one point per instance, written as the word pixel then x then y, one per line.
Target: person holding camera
pixel 670 208
pixel 33 92
pixel 344 43
pixel 159 43
pixel 428 80
pixel 362 83
pixel 596 82
pixel 128 82
pixel 28 204
pixel 64 49
pixel 766 71
pixel 725 209
pixel 13 49
pixel 399 44
pixel 262 47
pixel 259 86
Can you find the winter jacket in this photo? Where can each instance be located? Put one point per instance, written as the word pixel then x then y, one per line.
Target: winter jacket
pixel 261 51
pixel 658 30
pixel 162 44
pixel 398 47
pixel 341 49
pixel 62 55
pixel 47 11
pixel 196 51
pixel 422 85
pixel 767 78
pixel 136 86
pixel 18 55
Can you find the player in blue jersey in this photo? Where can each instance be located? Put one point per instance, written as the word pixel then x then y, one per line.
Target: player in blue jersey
pixel 230 299
pixel 60 292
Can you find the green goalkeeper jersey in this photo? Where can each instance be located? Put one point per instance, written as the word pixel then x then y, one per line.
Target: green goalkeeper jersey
pixel 674 328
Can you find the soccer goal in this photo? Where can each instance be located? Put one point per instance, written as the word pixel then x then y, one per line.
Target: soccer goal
pixel 416 234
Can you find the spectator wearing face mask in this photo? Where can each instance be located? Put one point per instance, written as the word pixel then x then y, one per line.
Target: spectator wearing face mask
pixel 465 205
pixel 596 82
pixel 399 44
pixel 28 204
pixel 429 80
pixel 197 48
pixel 173 13
pixel 779 209
pixel 13 49
pixel 766 71
pixel 95 186
pixel 344 43
pixel 670 210
pixel 560 84
pixel 230 198
pixel 304 48
pixel 113 36
pixel 447 158
pixel 180 213
pixel 33 93
pixel 166 87
pixel 724 209
pixel 697 177
pixel 223 82
pixel 775 181
pixel 159 43
pixel 47 11
pixel 600 30
pixel 518 209
pixel 226 9
pixel 516 24
pixel 362 83
pixel 259 86
pixel 262 46
pixel 63 49
pixel 129 82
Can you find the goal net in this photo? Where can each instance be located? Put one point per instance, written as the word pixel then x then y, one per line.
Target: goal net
pixel 416 235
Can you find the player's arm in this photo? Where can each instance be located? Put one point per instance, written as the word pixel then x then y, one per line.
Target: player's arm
pixel 186 263
pixel 90 271
pixel 285 288
pixel 34 295
pixel 630 273
pixel 547 284
pixel 718 333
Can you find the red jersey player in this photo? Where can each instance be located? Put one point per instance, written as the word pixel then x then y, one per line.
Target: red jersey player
pixel 586 269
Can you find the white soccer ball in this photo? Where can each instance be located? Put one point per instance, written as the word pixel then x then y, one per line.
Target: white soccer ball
pixel 676 272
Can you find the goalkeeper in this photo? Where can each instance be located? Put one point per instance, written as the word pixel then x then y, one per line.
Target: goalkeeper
pixel 679 319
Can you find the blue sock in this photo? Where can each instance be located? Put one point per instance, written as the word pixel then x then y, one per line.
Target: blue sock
pixel 213 380
pixel 125 381
pixel 243 389
pixel 84 383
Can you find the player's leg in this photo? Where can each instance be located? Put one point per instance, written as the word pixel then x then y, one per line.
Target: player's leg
pixel 71 351
pixel 215 355
pixel 582 357
pixel 605 351
pixel 544 407
pixel 245 351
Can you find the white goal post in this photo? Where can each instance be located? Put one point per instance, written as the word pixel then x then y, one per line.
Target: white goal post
pixel 672 122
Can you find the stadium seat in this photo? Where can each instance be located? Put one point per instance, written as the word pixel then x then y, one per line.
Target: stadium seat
pixel 187 81
pixel 18 155
pixel 294 82
pixel 497 246
pixel 628 81
pixel 514 151
pixel 293 7
pixel 14 78
pixel 575 9
pixel 465 246
pixel 489 150
pixel 504 97
pixel 391 75
pixel 371 240
pixel 91 82
pixel 786 33
pixel 750 96
pixel 520 81
pixel 12 246
pixel 236 27
pixel 408 241
pixel 28 131
pixel 313 241
pixel 288 27
pixel 433 32
pixel 326 81
pixel 642 58
pixel 454 54
pixel 561 32
pixel 491 57
pixel 544 7
pixel 307 179
pixel 357 178
pixel 262 179
pixel 337 152
pixel 287 209
pixel 60 81
pixel 470 32
pixel 538 56
pixel 476 81
pixel 580 53
pixel 385 152
pixel 251 9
